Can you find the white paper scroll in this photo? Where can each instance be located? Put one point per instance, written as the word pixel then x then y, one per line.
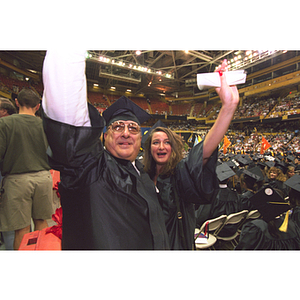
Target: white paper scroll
pixel 208 80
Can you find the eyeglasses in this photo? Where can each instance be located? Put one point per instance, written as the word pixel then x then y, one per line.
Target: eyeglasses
pixel 119 127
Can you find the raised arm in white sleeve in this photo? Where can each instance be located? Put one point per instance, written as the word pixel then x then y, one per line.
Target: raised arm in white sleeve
pixel 65 91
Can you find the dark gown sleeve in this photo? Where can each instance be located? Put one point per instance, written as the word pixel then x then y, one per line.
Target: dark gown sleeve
pixel 244 200
pixel 250 238
pixel 197 183
pixel 296 215
pixel 202 214
pixel 74 151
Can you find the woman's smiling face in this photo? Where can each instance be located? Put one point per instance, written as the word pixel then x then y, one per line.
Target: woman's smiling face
pixel 273 174
pixel 161 148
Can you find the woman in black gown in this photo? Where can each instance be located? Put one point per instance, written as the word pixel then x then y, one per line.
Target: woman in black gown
pixel 184 181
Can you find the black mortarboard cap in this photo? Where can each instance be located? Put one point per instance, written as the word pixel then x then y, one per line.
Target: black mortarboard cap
pixel 242 160
pixel 270 164
pixel 224 172
pixel 279 156
pixel 269 203
pixel 281 165
pixel 159 123
pixel 261 164
pixel 293 182
pixel 256 171
pixel 125 109
pixel 248 175
pixel 290 158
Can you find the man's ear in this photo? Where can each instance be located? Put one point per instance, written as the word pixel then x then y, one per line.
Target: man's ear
pixel 37 107
pixel 17 103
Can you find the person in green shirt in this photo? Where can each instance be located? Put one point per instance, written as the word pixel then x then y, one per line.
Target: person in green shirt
pixel 26 188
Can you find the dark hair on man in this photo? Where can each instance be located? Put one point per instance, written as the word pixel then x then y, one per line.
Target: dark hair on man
pixel 176 154
pixel 28 98
pixel 8 106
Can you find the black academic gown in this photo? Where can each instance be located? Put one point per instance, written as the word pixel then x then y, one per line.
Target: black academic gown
pixel 255 236
pixel 276 184
pixel 105 203
pixel 227 202
pixel 194 184
pixel 244 199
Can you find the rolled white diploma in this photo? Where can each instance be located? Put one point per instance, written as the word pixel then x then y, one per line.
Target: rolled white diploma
pixel 65 91
pixel 208 80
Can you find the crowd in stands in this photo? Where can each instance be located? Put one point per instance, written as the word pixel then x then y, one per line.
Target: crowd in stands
pixel 12 85
pixel 256 107
pixel 250 107
pixel 286 106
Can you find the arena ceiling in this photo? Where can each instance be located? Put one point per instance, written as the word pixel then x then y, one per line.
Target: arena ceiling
pixel 150 73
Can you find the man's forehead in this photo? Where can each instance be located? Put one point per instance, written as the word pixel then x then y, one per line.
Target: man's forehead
pixel 126 122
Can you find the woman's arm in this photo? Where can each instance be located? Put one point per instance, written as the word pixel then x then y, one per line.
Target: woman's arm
pixel 229 96
pixel 65 93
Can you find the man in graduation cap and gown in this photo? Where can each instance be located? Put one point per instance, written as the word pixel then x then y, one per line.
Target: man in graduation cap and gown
pixel 272 231
pixel 108 202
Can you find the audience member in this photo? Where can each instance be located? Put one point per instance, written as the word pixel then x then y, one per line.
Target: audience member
pixel 26 190
pixel 227 200
pixel 290 172
pixel 6 109
pixel 251 181
pixel 276 179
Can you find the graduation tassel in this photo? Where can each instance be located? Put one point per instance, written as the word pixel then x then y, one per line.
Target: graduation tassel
pixel 284 225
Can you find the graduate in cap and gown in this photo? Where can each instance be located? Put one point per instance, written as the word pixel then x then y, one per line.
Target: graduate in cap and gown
pixel 276 179
pixel 274 230
pixel 183 182
pixel 294 197
pixel 251 180
pixel 227 200
pixel 108 201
